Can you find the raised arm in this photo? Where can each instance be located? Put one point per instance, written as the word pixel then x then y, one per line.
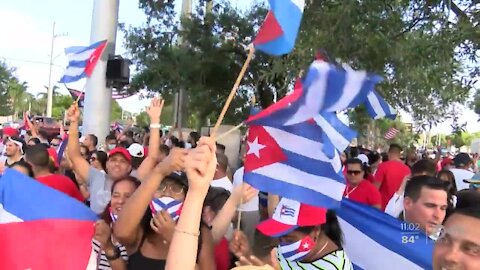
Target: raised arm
pixel 154 111
pixel 241 194
pixel 79 165
pixel 127 227
pixel 200 168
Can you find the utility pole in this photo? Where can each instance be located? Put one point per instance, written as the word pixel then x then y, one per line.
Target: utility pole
pixel 50 88
pixel 98 96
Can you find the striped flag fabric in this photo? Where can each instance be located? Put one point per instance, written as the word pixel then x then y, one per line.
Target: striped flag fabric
pixel 325 88
pixel 336 135
pixel 40 225
pixel 378 108
pixel 279 31
pixel 82 61
pixel 61 148
pixel 289 161
pixel 377 241
pixel 391 133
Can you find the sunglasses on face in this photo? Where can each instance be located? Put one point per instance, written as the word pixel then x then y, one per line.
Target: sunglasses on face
pixel 173 188
pixel 351 172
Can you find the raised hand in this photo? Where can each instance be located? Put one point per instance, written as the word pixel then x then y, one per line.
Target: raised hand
pixel 201 164
pixel 103 234
pixel 239 245
pixel 175 161
pixel 163 224
pixel 244 193
pixel 155 110
pixel 73 113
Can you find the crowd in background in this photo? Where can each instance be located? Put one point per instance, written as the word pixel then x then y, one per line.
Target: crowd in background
pixel 168 202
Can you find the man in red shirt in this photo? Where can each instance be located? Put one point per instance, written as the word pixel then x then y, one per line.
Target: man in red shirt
pixel 37 156
pixel 358 189
pixel 390 174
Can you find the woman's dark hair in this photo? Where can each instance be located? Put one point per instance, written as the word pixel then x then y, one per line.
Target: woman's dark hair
pixel 451 177
pixel 331 228
pixel 105 215
pixel 24 165
pixel 102 158
pixel 373 157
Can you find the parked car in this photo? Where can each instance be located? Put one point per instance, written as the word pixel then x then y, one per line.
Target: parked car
pixel 48 124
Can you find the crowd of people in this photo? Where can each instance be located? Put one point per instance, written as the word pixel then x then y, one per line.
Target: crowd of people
pixel 168 203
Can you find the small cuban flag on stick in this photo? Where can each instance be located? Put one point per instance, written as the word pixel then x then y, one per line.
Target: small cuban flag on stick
pixel 276 36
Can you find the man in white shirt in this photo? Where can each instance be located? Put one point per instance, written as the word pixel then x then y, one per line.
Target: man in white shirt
pixel 462 171
pixel 220 179
pixel 250 214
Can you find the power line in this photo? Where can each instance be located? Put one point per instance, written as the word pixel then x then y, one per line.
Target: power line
pixel 30 61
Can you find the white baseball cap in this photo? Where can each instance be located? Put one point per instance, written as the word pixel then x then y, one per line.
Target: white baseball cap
pixel 136 150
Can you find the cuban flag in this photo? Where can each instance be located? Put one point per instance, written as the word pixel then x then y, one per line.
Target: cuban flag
pixel 172 206
pixel 54 230
pixel 289 161
pixel 279 31
pixel 82 61
pixel 61 148
pixel 336 135
pixel 376 241
pixel 378 108
pixel 325 88
pixel 298 250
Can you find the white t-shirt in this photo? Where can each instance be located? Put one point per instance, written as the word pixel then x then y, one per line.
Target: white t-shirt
pixel 250 206
pixel 460 175
pixel 223 182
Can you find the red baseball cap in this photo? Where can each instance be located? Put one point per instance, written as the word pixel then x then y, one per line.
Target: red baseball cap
pixel 289 215
pixel 9 131
pixel 122 151
pixel 446 161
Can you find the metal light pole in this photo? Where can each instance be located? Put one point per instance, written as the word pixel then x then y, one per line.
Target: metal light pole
pixel 98 96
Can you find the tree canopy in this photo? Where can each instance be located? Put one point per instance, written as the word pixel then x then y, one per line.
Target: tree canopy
pixel 425 50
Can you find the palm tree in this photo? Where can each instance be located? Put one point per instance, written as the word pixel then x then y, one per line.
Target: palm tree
pixel 17 93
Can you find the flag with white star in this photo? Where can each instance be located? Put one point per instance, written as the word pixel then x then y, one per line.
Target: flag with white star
pixel 289 161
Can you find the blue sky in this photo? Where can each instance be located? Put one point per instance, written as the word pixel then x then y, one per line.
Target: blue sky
pixel 26 36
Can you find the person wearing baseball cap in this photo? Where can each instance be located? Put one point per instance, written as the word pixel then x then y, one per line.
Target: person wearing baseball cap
pixel 309 236
pixel 463 163
pixel 474 182
pixel 90 180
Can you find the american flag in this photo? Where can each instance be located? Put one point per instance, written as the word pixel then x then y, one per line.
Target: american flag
pixel 115 94
pixel 391 133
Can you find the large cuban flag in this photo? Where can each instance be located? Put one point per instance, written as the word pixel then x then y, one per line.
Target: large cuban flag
pixel 378 108
pixel 42 228
pixel 289 161
pixel 279 31
pixel 82 61
pixel 377 241
pixel 325 88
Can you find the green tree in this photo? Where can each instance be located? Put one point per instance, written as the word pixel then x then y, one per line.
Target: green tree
pixel 142 119
pixel 415 45
pixel 115 111
pixel 13 93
